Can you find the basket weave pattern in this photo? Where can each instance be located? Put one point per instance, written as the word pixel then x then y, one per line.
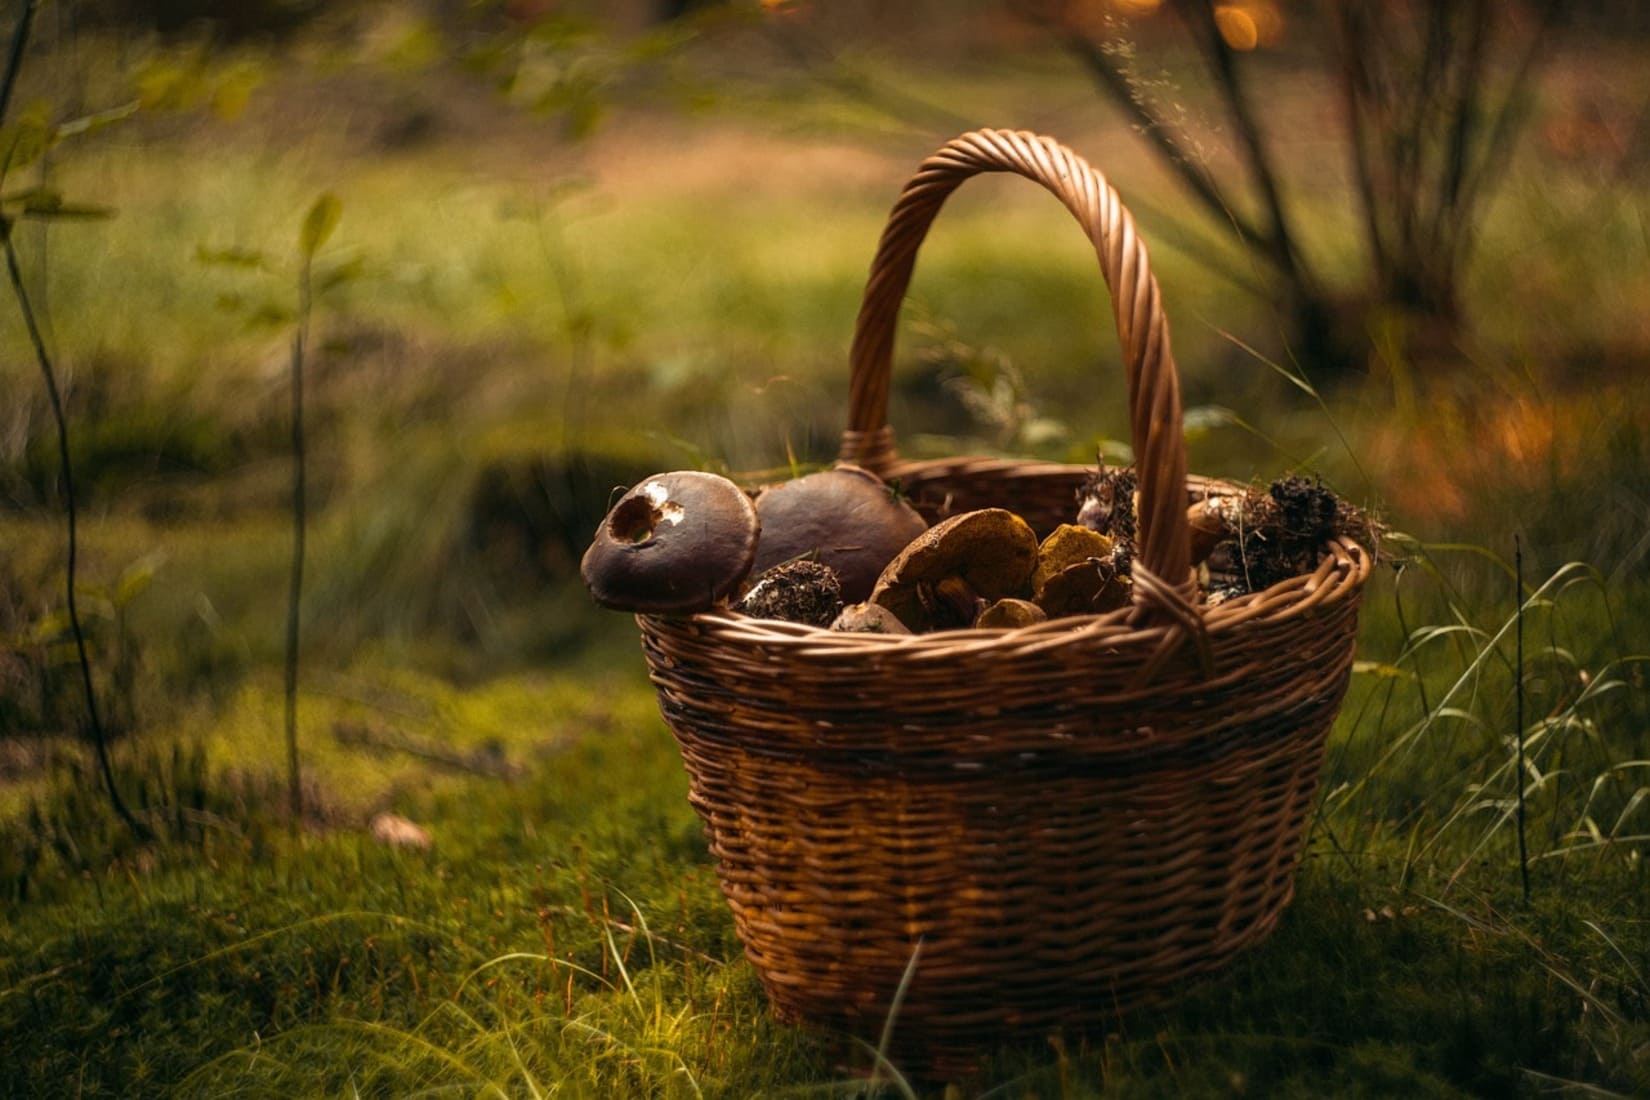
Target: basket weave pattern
pixel 1069 818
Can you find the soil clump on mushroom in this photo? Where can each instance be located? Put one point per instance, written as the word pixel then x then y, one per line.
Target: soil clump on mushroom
pixel 799 591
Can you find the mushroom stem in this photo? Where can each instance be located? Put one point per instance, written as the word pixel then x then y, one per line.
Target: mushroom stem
pixel 1207 522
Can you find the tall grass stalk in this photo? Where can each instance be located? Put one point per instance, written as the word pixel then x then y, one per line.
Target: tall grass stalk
pixel 318 225
pixel 1518 692
pixel 295 585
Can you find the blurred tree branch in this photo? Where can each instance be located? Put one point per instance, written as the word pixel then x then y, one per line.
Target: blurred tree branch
pixel 1428 137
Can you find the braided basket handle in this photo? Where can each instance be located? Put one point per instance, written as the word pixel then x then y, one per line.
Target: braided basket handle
pixel 1154 388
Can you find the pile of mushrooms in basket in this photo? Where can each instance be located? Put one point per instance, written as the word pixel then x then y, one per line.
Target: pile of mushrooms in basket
pixel 841 549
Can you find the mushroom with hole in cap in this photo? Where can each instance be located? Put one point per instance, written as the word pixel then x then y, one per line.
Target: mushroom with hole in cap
pixel 846 517
pixel 675 544
pixel 940 580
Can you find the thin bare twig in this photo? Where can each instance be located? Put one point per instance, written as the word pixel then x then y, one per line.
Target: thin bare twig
pixel 14 58
pixel 1356 82
pixel 1466 109
pixel 1200 16
pixel 99 735
pixel 14 65
pixel 1115 84
pixel 1498 145
pixel 1518 681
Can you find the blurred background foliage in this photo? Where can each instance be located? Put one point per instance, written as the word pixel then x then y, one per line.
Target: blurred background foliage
pixel 582 242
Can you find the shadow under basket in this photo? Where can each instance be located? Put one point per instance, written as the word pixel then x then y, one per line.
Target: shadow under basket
pixel 1030 830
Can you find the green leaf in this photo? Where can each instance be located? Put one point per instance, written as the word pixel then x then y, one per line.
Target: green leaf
pixel 270 315
pixel 319 223
pixel 1381 671
pixel 232 257
pixel 564 31
pixel 135 579
pixel 46 204
pixel 50 627
pixel 165 85
pixel 25 141
pixel 95 603
pixel 90 124
pixel 234 91
pixel 340 274
pixel 1199 420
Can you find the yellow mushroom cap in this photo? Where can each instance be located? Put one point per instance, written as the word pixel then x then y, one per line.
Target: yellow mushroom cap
pixel 992 551
pixel 1065 547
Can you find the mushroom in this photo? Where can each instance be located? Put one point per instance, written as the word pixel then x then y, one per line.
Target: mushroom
pixel 1077 573
pixel 677 543
pixel 797 592
pixel 1108 502
pixel 1253 540
pixel 1210 524
pixel 940 579
pixel 846 517
pixel 1008 613
pixel 1068 545
pixel 868 618
pixel 1088 587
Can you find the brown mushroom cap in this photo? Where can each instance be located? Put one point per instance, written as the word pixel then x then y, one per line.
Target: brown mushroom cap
pixel 868 618
pixel 1065 547
pixel 1009 613
pixel 676 543
pixel 845 517
pixel 1211 521
pixel 991 551
pixel 1088 587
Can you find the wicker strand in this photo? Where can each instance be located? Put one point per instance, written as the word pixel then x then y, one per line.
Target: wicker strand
pixel 1179 607
pixel 1143 331
pixel 873 450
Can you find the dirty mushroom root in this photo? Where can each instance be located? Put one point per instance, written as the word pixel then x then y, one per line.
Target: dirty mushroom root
pixel 797 592
pixel 677 543
pixel 1107 503
pixel 1248 542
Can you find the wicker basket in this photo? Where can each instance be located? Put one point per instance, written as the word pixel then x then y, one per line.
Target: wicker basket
pixel 1069 818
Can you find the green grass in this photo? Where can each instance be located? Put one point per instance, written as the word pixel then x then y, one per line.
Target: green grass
pixel 566 931
pixel 530 324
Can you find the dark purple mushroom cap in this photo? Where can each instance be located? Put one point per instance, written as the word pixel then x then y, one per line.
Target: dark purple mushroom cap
pixel 847 518
pixel 675 544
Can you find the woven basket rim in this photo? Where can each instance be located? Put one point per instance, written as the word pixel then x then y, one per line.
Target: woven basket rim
pixel 1339 576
